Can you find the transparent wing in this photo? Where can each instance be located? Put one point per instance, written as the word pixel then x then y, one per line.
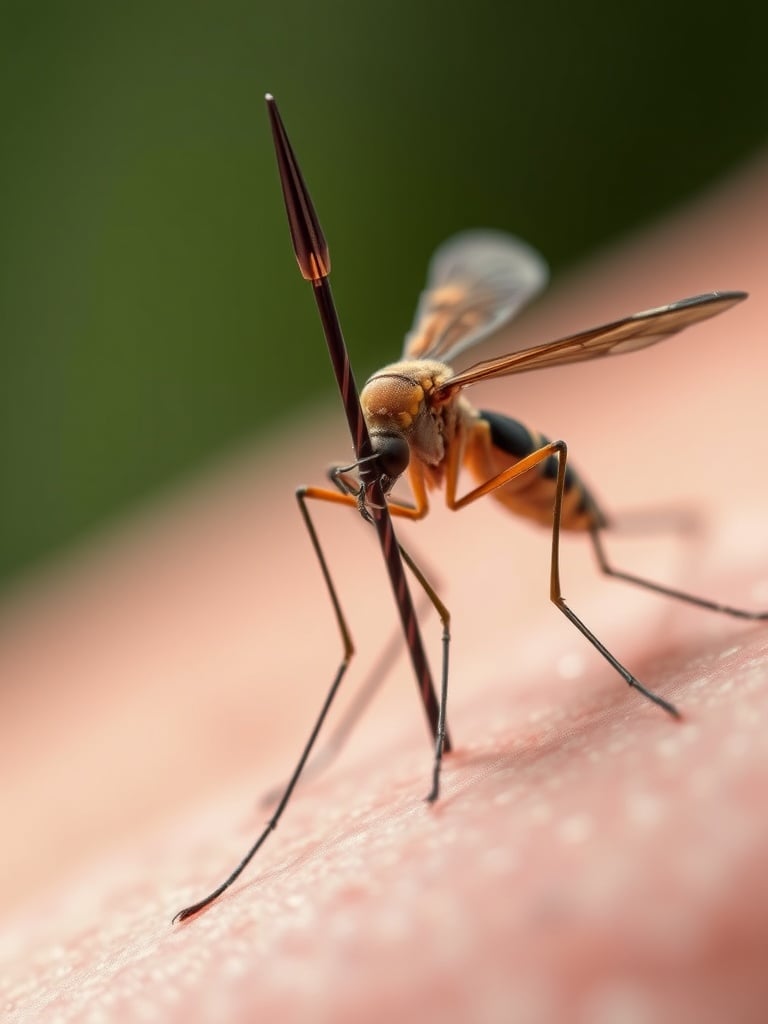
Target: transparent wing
pixel 634 332
pixel 477 281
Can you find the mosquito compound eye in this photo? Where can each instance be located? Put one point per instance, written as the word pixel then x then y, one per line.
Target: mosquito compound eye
pixel 393 454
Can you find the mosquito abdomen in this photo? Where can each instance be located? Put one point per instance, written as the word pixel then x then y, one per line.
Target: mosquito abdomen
pixel 495 442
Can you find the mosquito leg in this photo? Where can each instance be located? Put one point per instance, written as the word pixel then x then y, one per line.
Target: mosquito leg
pixel 338 738
pixel 340 735
pixel 339 476
pixel 445 619
pixel 341 479
pixel 659 588
pixel 348 486
pixel 536 459
pixel 271 825
pixel 557 598
pixel 345 726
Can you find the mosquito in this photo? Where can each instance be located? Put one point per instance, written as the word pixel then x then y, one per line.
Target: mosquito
pixel 412 420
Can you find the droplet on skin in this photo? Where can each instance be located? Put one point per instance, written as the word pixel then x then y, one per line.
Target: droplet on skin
pixel 644 810
pixel 668 747
pixel 499 860
pixel 541 813
pixel 576 829
pixel 570 666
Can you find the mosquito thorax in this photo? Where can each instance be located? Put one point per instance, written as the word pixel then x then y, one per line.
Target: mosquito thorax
pixel 398 402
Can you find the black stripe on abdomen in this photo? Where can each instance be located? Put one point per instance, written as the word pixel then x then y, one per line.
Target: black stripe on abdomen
pixel 515 439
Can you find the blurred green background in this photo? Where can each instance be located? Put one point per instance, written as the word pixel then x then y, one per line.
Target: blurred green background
pixel 149 303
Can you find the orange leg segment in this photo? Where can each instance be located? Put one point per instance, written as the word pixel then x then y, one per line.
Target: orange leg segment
pixel 526 465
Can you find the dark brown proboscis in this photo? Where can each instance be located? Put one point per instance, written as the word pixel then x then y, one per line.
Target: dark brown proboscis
pixel 314 262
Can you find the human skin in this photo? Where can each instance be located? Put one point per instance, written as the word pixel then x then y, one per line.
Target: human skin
pixel 590 859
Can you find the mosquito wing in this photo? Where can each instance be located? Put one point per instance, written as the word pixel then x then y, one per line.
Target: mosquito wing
pixel 477 282
pixel 627 335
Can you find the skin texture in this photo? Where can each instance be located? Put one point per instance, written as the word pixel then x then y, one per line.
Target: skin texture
pixel 590 859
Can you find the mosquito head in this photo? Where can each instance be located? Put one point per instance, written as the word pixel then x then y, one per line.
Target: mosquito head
pixel 401 416
pixel 393 454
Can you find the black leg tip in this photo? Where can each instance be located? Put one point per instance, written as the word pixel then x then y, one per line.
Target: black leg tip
pixel 184 915
pixel 434 793
pixel 195 908
pixel 669 707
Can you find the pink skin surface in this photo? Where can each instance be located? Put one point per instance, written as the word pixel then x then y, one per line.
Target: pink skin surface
pixel 590 860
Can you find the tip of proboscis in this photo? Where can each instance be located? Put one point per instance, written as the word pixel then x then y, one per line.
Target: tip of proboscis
pixel 309 243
